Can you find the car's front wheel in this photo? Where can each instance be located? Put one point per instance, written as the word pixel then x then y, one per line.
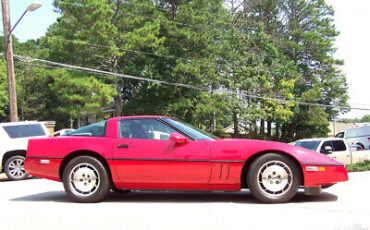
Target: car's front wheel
pixel 85 179
pixel 14 168
pixel 273 178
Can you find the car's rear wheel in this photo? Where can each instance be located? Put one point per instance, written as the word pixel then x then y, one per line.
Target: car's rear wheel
pixel 14 168
pixel 361 146
pixel 273 178
pixel 85 179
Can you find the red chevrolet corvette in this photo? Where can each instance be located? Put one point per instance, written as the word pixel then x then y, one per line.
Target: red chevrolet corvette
pixel 163 153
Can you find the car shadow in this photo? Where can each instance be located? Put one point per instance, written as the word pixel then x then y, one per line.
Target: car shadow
pixel 55 196
pixel 176 197
pixel 4 178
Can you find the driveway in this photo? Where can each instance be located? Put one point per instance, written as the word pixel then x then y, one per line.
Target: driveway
pixel 43 204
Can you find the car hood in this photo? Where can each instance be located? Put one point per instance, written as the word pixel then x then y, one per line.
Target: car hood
pixel 238 149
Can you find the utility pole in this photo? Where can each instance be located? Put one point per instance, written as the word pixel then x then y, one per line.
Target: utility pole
pixel 9 62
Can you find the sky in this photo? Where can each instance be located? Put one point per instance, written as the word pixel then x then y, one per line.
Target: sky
pixel 34 24
pixel 351 19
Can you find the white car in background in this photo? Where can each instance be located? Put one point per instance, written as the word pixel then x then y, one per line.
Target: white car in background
pixel 357 136
pixel 62 132
pixel 335 148
pixel 13 145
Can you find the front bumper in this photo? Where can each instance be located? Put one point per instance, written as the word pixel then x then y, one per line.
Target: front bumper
pixel 325 175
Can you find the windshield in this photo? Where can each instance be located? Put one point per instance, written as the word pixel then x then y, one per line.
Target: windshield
pixel 94 130
pixel 311 145
pixel 191 131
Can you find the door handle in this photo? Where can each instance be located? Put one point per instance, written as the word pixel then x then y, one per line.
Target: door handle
pixel 122 146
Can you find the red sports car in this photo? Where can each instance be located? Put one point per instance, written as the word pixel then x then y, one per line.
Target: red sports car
pixel 163 153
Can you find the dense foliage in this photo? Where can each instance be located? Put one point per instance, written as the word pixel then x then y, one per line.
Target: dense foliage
pixel 280 49
pixel 359 166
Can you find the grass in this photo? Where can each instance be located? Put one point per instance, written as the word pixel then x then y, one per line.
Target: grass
pixel 359 166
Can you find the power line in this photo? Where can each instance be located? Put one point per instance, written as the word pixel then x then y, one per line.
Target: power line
pixel 29 59
pixel 132 51
pixel 226 63
pixel 218 91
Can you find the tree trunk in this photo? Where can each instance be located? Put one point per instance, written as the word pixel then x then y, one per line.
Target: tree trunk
pixel 71 122
pixel 283 131
pixel 255 128
pixel 236 124
pixel 277 126
pixel 118 105
pixel 173 10
pixel 117 100
pixel 262 127
pixel 214 121
pixel 269 128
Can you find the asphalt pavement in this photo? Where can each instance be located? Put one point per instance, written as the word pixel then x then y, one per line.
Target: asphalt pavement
pixel 43 204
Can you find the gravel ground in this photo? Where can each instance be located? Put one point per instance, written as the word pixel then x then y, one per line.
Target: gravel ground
pixel 43 204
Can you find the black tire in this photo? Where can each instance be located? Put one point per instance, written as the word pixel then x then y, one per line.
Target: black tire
pixel 362 147
pixel 14 168
pixel 86 180
pixel 326 186
pixel 281 178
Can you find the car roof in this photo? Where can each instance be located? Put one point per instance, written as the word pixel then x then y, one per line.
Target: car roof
pixel 140 117
pixel 321 139
pixel 21 123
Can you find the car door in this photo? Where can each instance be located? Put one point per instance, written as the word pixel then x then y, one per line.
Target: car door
pixel 322 148
pixel 143 153
pixel 340 151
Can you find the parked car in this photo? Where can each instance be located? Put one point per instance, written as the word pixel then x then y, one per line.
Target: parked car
pixel 125 153
pixel 357 136
pixel 14 138
pixel 335 148
pixel 62 132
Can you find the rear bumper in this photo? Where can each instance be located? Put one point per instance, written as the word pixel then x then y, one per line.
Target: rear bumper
pixel 325 175
pixel 43 167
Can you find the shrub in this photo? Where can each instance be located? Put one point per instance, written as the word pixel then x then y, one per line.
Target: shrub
pixel 359 166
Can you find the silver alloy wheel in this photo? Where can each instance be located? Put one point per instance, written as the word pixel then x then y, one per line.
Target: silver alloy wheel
pixel 84 179
pixel 16 168
pixel 275 178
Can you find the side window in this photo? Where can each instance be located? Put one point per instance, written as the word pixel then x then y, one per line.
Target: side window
pixel 326 143
pixel 144 129
pixel 338 145
pixel 341 135
pixel 94 130
pixel 19 131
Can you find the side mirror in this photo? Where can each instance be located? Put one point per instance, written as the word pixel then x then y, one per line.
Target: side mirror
pixel 178 138
pixel 328 150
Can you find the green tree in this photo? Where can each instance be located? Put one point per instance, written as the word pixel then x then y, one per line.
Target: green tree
pixel 262 68
pixel 79 94
pixel 3 91
pixel 308 38
pixel 365 119
pixel 275 48
pixel 148 39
